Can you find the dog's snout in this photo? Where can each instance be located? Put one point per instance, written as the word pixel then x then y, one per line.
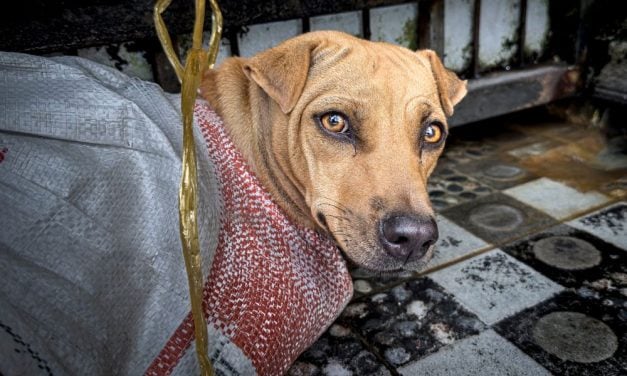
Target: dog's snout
pixel 407 237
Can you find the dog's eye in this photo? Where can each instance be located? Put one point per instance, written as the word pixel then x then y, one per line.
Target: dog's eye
pixel 433 133
pixel 334 122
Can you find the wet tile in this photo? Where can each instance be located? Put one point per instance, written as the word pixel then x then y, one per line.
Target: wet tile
pixel 410 321
pixel 448 188
pixel 570 335
pixel 556 199
pixel 572 164
pixel 495 285
pixel 499 173
pixel 612 155
pixel 263 36
pixel 578 260
pixel 556 131
pixel 338 352
pixel 487 354
pixel 609 224
pixel 454 242
pixel 596 144
pixel 348 22
pixel 616 188
pixel 534 149
pixel 498 218
pixel 462 151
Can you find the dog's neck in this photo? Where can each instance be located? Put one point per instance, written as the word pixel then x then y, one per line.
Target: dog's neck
pixel 242 105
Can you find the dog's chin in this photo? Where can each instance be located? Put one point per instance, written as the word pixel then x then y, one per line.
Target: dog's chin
pixel 380 263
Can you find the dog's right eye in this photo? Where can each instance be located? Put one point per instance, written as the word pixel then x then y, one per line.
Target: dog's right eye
pixel 334 122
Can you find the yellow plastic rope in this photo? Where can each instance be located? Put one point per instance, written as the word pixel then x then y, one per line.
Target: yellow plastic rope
pixel 197 61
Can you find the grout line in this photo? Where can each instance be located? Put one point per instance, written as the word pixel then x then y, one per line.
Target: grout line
pixel 462 258
pixel 513 239
pixel 612 201
pixel 373 349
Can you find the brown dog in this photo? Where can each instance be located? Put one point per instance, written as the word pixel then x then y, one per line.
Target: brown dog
pixel 344 133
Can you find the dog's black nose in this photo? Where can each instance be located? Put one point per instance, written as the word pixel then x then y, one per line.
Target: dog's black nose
pixel 407 237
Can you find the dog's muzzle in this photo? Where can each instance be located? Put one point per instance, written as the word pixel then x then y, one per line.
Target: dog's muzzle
pixel 407 237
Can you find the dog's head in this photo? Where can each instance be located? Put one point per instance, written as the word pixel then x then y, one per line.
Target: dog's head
pixel 356 127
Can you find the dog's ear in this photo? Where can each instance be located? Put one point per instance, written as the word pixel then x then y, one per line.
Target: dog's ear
pixel 451 89
pixel 282 71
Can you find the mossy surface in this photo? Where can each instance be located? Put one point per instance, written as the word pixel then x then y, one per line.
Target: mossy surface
pixel 409 38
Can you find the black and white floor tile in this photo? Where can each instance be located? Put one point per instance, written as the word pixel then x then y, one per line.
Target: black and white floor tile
pixel 528 277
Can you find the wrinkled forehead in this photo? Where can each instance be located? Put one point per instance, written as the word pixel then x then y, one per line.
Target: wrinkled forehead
pixel 368 67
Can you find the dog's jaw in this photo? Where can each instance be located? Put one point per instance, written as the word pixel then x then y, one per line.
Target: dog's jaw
pixel 349 231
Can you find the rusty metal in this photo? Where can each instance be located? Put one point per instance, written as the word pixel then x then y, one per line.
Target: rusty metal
pixel 365 23
pixel 231 36
pixel 611 84
pixel 474 61
pixel 306 22
pixel 197 62
pixel 431 25
pixel 506 92
pixel 522 28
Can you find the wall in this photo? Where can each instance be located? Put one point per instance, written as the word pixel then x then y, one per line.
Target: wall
pixel 498 35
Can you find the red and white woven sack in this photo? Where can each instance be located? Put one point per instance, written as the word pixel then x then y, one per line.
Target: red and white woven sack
pixel 274 286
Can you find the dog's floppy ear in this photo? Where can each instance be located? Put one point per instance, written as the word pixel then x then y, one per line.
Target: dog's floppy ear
pixel 451 89
pixel 282 71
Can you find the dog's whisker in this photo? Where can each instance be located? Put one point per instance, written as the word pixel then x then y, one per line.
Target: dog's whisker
pixel 340 218
pixel 341 233
pixel 342 229
pixel 336 202
pixel 333 206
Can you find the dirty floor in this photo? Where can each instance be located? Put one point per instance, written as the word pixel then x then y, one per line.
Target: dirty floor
pixel 529 276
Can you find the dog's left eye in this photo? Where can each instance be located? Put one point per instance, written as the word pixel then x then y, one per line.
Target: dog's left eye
pixel 334 122
pixel 433 133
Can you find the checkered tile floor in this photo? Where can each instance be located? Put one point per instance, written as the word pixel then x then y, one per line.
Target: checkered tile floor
pixel 529 277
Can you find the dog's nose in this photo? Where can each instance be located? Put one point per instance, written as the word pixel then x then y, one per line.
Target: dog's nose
pixel 407 237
